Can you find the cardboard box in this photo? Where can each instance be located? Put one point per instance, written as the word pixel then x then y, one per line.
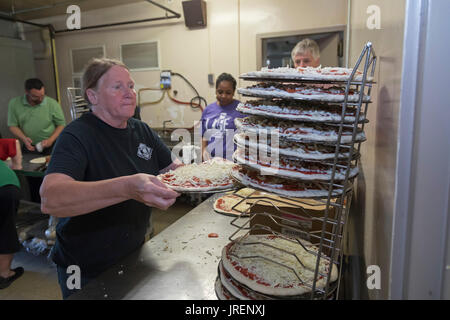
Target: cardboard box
pixel 299 220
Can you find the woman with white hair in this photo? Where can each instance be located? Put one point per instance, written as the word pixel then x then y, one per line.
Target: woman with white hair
pixel 306 54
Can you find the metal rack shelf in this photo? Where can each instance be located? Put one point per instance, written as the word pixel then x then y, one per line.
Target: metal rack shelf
pixel 328 239
pixel 304 80
pixel 78 105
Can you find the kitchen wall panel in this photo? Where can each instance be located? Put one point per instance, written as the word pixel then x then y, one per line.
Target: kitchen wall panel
pixel 227 44
pixel 374 201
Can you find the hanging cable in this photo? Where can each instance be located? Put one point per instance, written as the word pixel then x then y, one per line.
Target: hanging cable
pixel 200 99
pixel 153 102
pixel 193 105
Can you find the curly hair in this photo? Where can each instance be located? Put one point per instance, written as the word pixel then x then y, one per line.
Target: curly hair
pixel 226 77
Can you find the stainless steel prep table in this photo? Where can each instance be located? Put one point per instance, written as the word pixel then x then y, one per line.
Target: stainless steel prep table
pixel 179 263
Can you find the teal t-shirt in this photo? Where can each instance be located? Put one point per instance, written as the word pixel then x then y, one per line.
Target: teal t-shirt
pixel 37 122
pixel 7 176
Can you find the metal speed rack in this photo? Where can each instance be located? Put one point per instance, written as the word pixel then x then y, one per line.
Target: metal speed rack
pixel 329 238
pixel 78 105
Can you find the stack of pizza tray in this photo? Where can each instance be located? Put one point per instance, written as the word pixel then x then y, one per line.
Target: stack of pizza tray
pixel 296 140
pixel 300 139
pixel 271 267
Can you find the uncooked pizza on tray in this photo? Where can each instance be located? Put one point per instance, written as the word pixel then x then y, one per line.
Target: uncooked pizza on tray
pixel 256 267
pixel 301 92
pixel 234 204
pixel 287 187
pixel 284 147
pixel 297 131
pixel 291 167
pixel 211 175
pixel 298 110
pixel 307 73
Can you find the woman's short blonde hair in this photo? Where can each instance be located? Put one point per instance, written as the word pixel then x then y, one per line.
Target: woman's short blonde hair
pixel 304 46
pixel 94 70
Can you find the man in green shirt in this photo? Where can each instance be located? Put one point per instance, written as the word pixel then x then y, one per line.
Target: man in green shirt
pixel 35 117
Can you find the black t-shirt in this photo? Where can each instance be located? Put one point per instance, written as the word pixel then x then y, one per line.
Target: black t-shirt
pixel 90 150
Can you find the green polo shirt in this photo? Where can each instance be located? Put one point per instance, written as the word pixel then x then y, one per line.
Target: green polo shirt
pixel 37 122
pixel 7 176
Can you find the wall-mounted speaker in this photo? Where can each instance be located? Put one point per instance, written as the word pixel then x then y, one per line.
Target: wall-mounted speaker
pixel 194 13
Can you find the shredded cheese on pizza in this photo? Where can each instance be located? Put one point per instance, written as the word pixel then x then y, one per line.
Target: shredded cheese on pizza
pixel 274 265
pixel 209 174
pixel 316 73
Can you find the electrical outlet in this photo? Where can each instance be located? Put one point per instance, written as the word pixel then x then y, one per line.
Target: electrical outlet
pixel 165 80
pixel 211 79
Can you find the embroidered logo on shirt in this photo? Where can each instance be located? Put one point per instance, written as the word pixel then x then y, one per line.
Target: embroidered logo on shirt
pixel 144 151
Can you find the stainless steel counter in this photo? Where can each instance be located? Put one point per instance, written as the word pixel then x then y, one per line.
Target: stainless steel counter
pixel 31 169
pixel 178 263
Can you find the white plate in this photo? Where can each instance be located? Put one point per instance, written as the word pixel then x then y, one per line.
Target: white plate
pixel 39 160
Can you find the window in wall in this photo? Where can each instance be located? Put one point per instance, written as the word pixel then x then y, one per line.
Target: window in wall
pixel 76 82
pixel 80 57
pixel 140 56
pixel 276 51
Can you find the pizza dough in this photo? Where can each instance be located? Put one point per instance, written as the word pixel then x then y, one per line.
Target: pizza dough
pixel 291 168
pixel 301 92
pixel 307 73
pixel 226 203
pixel 299 111
pixel 236 200
pixel 211 175
pixel 235 289
pixel 276 266
pixel 282 186
pixel 312 151
pixel 295 131
pixel 40 160
pixel 221 292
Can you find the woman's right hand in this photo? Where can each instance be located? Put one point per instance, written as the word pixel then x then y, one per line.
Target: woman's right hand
pixel 151 191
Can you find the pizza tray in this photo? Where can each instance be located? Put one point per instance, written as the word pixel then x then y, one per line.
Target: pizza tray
pixel 234 187
pixel 242 214
pixel 335 193
pixel 305 119
pixel 260 93
pixel 304 79
pixel 305 296
pixel 355 153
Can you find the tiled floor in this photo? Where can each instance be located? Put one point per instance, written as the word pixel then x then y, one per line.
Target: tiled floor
pixel 39 282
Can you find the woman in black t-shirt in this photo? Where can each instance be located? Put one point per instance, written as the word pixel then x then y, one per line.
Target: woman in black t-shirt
pixel 101 180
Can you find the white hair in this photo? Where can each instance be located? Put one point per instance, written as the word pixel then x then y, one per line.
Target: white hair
pixel 304 46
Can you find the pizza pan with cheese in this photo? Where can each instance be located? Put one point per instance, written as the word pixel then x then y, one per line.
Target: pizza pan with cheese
pixel 211 175
pixel 282 186
pixel 221 292
pixel 275 265
pixel 298 110
pixel 306 73
pixel 301 92
pixel 292 168
pixel 311 151
pixel 234 288
pixel 296 131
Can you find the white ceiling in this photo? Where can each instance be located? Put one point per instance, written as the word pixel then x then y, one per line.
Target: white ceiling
pixel 34 9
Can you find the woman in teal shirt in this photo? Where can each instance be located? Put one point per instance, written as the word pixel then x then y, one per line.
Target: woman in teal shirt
pixel 9 242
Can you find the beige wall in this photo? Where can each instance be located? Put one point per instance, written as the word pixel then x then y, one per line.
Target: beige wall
pixel 228 44
pixel 376 185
